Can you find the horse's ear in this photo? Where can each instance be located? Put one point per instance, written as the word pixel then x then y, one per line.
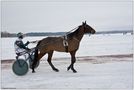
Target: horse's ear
pixel 85 22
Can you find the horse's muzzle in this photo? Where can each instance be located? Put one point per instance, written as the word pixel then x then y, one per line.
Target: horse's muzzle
pixel 93 32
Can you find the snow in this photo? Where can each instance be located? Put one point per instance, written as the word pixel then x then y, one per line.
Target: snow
pixel 114 74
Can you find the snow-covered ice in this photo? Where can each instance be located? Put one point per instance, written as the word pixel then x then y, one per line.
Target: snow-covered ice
pixel 93 73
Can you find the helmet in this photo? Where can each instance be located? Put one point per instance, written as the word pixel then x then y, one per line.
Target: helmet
pixel 20 35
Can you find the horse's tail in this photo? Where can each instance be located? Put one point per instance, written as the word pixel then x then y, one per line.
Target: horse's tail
pixel 38 43
pixel 35 56
pixel 36 51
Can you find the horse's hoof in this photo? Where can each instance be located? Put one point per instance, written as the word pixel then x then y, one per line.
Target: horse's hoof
pixel 56 70
pixel 33 71
pixel 74 71
pixel 68 69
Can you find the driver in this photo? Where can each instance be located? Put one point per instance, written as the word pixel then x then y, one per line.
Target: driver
pixel 20 47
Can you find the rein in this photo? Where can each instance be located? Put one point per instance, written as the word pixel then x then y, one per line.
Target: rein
pixel 65 43
pixel 71 31
pixel 64 35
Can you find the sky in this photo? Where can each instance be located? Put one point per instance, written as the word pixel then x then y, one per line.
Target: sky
pixel 52 16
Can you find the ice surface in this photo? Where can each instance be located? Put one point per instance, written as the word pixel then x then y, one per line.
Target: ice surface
pixel 117 76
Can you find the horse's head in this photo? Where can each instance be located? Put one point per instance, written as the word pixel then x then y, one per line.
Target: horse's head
pixel 87 28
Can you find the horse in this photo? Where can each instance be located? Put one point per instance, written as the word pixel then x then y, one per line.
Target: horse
pixel 50 44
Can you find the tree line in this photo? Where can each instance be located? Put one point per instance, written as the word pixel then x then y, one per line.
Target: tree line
pixel 7 34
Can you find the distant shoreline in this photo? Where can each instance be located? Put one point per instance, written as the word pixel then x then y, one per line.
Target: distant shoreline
pixel 31 34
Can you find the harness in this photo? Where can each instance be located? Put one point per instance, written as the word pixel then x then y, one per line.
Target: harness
pixel 65 40
pixel 65 43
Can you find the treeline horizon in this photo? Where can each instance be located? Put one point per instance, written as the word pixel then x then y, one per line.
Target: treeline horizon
pixel 7 34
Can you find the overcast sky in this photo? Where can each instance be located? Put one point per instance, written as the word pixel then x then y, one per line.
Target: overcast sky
pixel 49 16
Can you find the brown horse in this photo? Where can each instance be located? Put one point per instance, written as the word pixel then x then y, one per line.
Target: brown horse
pixel 50 44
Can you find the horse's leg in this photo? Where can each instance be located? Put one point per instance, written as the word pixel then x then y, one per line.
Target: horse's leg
pixel 73 60
pixel 37 57
pixel 49 61
pixel 35 60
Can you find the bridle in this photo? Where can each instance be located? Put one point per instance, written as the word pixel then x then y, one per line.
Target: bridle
pixel 88 33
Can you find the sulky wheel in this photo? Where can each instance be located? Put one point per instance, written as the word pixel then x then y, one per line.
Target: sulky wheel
pixel 20 67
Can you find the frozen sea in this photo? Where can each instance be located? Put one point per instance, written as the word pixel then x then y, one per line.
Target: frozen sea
pixel 108 44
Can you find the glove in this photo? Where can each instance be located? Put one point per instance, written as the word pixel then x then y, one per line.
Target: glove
pixel 28 42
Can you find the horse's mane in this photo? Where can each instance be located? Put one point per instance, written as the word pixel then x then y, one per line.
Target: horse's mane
pixel 75 33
